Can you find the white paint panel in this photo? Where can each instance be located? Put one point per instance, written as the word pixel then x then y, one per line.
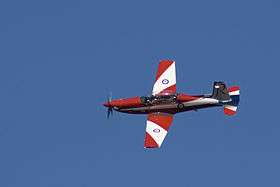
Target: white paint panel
pixel 156 132
pixel 237 92
pixel 201 101
pixel 170 75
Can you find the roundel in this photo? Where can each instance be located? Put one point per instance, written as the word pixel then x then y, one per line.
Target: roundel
pixel 156 130
pixel 165 81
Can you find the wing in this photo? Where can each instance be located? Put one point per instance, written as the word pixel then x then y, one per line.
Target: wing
pixel 156 129
pixel 165 78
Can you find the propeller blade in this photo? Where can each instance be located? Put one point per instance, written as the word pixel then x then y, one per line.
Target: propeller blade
pixel 109 112
pixel 110 97
pixel 110 108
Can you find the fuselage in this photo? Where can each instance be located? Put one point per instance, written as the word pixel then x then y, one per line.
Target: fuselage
pixel 171 104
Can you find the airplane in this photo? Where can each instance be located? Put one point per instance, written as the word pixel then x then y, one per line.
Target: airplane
pixel 165 102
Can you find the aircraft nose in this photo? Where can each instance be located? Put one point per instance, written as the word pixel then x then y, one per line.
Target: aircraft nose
pixel 106 104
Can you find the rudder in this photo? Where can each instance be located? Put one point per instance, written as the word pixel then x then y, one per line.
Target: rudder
pixel 231 107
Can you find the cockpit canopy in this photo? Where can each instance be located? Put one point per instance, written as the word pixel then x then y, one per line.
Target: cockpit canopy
pixel 158 99
pixel 167 99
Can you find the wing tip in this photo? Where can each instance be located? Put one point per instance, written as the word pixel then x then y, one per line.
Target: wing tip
pixel 150 142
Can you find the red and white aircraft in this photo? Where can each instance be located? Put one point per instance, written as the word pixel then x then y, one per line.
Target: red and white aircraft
pixel 165 102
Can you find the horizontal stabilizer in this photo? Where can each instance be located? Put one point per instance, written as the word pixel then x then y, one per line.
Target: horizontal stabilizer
pixel 230 110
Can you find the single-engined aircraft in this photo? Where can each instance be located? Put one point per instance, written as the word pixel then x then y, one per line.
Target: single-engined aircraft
pixel 165 102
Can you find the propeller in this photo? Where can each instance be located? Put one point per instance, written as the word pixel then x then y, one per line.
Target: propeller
pixel 110 108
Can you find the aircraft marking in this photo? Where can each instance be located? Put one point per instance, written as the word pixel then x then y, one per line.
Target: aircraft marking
pixel 156 130
pixel 165 81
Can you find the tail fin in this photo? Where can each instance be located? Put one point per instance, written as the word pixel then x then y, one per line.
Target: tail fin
pixel 220 92
pixel 231 107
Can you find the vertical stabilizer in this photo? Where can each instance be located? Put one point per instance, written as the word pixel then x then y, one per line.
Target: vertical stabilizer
pixel 220 92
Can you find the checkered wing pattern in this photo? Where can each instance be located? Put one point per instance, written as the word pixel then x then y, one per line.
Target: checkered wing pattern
pixel 165 78
pixel 156 129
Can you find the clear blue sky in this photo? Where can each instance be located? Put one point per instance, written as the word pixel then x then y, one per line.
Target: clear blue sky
pixel 59 60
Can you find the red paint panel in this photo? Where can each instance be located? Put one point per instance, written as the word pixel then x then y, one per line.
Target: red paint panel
pixel 185 98
pixel 163 65
pixel 229 112
pixel 169 90
pixel 150 142
pixel 163 120
pixel 233 88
